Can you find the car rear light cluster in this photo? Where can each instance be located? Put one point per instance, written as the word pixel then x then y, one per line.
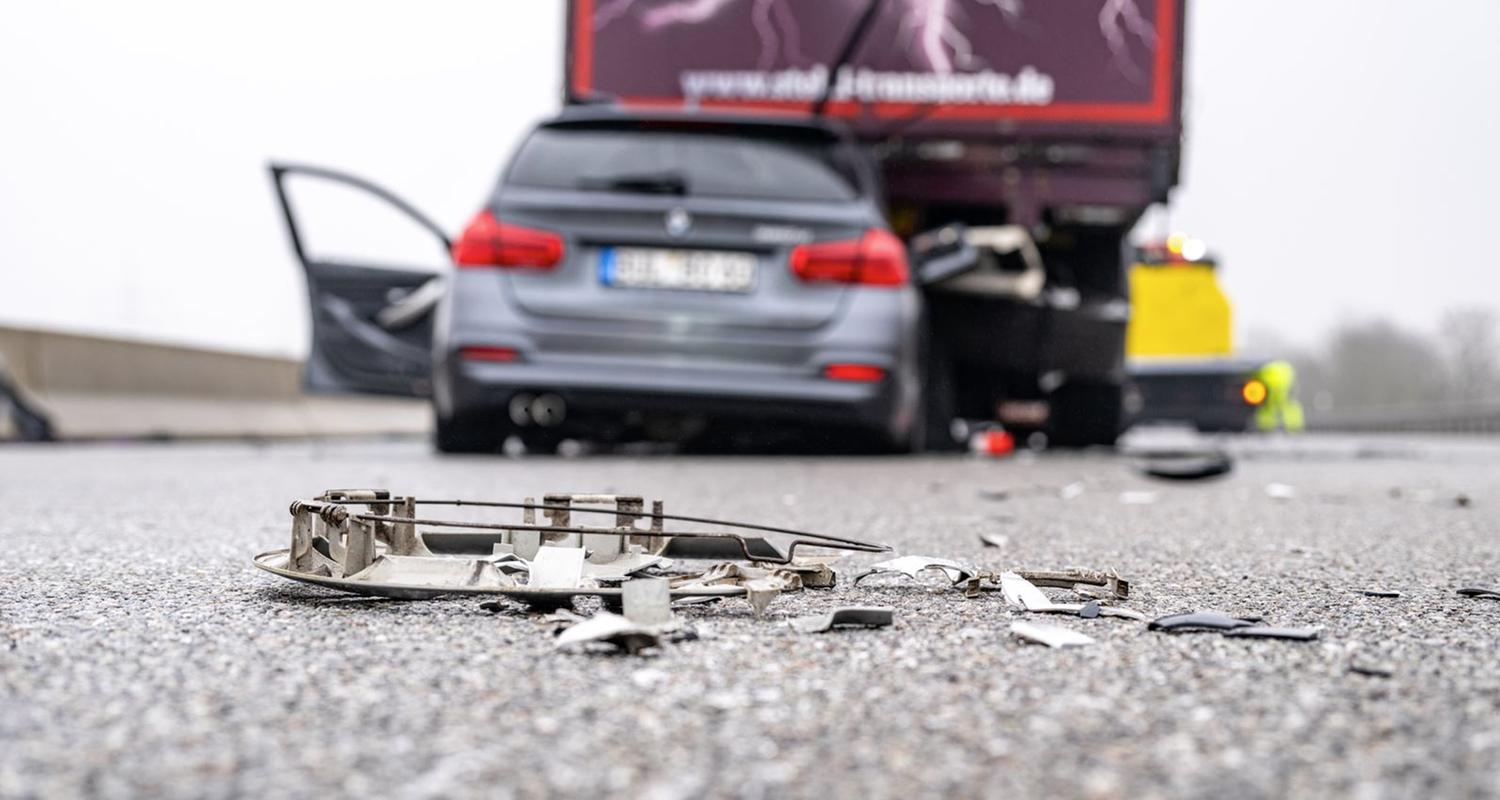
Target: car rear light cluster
pixel 854 373
pixel 877 258
pixel 486 353
pixel 488 242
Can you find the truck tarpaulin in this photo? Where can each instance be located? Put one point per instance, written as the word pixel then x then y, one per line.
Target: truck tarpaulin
pixel 1069 67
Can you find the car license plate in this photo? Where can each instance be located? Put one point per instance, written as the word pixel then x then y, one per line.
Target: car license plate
pixel 684 270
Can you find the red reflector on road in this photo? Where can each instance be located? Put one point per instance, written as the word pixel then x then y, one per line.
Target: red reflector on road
pixel 862 373
pixel 489 354
pixel 992 443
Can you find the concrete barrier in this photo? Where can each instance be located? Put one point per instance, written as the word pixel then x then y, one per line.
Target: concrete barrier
pixel 97 387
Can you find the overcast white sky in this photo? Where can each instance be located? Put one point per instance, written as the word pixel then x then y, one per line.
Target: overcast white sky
pixel 1341 155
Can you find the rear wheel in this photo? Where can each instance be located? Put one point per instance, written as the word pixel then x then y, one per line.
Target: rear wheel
pixel 1085 414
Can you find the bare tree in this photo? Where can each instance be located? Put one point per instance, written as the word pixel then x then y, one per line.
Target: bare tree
pixel 1379 363
pixel 1375 362
pixel 1468 340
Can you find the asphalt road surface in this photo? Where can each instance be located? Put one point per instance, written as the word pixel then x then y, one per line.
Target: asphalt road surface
pixel 143 656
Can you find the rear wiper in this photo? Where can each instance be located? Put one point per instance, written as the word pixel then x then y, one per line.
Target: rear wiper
pixel 645 183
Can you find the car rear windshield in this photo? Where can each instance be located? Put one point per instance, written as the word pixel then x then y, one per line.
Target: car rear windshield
pixel 684 162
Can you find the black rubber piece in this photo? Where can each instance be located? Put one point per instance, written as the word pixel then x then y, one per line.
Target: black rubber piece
pixel 1187 466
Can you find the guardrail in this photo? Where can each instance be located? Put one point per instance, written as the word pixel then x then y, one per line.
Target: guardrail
pixel 93 387
pixel 1480 417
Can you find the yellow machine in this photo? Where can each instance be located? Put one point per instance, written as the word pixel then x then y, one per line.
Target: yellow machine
pixel 1178 311
pixel 1180 348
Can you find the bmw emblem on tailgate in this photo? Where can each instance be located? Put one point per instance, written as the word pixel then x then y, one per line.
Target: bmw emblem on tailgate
pixel 679 222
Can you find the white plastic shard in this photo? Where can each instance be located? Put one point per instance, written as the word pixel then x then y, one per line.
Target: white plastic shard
pixel 1021 593
pixel 1280 491
pixel 914 565
pixel 557 568
pixel 647 601
pixel 612 629
pixel 1049 635
pixel 624 566
pixel 507 561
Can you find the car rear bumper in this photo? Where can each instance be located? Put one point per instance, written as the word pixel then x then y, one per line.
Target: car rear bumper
pixel 690 369
pixel 617 391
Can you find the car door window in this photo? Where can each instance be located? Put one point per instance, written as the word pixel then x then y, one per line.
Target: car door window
pixel 342 224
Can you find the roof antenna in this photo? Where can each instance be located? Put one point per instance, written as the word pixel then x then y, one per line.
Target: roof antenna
pixel 851 45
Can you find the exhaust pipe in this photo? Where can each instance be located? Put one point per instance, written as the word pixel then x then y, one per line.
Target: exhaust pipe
pixel 520 408
pixel 545 410
pixel 548 410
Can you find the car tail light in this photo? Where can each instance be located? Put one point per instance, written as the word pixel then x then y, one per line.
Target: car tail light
pixel 877 258
pixel 856 373
pixel 479 353
pixel 488 242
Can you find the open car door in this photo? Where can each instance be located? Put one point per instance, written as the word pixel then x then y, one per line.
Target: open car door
pixel 371 323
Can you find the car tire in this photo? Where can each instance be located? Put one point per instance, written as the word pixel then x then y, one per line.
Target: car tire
pixel 1086 414
pixel 469 434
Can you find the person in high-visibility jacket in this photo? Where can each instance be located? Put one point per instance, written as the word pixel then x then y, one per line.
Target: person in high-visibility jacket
pixel 1278 406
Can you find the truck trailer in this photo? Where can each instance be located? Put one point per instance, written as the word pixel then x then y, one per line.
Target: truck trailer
pixel 999 129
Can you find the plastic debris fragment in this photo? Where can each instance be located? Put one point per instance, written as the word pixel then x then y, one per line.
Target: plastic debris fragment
pixel 1023 594
pixel 915 565
pixel 695 601
pixel 1376 669
pixel 1100 584
pixel 849 617
pixel 1280 491
pixel 1488 592
pixel 610 629
pixel 760 584
pixel 1380 593
pixel 1186 465
pixel 1020 593
pixel 994 539
pixel 1049 635
pixel 557 568
pixel 814 572
pixel 1197 621
pixel 647 601
pixel 1273 632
